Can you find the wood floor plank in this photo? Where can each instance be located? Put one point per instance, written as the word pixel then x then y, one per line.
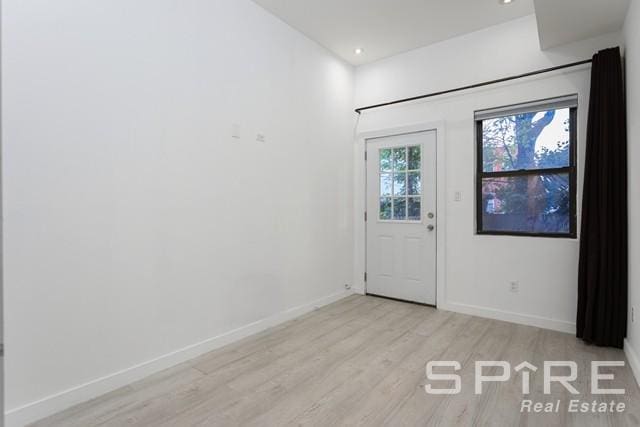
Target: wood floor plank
pixel 404 387
pixel 361 361
pixel 265 386
pixel 398 341
pixel 460 347
pixel 300 383
pixel 380 392
pixel 213 389
pixel 103 409
pixel 295 335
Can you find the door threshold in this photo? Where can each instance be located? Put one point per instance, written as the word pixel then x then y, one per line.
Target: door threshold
pixel 402 300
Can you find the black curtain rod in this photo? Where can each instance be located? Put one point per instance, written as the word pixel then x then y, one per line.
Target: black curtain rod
pixel 473 86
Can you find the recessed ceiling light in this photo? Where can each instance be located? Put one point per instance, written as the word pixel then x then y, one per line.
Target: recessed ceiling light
pixel 505 1
pixel 358 51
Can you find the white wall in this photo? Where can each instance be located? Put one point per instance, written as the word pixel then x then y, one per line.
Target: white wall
pixel 632 61
pixel 135 225
pixel 479 268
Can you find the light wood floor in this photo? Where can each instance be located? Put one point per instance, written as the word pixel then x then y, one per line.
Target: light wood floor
pixel 360 361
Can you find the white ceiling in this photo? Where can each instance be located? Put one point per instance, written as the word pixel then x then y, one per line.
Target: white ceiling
pixel 566 21
pixel 387 27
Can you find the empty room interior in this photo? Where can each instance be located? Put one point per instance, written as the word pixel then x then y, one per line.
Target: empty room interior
pixel 320 212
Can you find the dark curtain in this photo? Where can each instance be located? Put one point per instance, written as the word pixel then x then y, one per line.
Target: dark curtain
pixel 602 283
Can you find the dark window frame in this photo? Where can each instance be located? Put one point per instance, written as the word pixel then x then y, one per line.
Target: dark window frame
pixel 571 170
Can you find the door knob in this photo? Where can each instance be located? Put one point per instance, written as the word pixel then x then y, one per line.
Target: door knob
pixel 430 227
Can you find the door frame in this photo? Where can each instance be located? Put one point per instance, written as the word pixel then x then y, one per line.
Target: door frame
pixel 360 225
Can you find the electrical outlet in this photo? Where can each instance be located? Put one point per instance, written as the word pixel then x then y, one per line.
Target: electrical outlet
pixel 457 196
pixel 260 137
pixel 347 286
pixel 514 287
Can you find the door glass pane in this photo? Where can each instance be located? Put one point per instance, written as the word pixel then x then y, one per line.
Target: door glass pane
pixel 385 208
pixel 400 159
pixel 399 184
pixel 385 184
pixel 414 184
pixel 385 160
pixel 413 208
pixel 414 158
pixel 399 208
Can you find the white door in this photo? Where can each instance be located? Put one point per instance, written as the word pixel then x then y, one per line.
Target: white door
pixel 401 217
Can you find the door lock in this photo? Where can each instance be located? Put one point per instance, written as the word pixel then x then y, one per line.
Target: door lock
pixel 430 215
pixel 430 227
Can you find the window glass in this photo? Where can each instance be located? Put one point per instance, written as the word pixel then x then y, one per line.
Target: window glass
pixel 399 159
pixel 386 160
pixel 526 141
pixel 413 208
pixel 531 203
pixel 385 184
pixel 385 208
pixel 400 183
pixel 526 173
pixel 414 158
pixel 414 185
pixel 399 208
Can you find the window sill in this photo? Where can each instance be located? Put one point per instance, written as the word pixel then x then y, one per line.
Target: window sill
pixel 569 237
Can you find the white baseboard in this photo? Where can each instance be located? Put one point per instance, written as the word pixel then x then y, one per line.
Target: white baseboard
pixel 20 416
pixel 509 316
pixel 633 359
pixel 358 290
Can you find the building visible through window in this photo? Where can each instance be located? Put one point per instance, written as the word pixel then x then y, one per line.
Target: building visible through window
pixel 526 170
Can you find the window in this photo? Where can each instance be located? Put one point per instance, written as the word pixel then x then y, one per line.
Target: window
pixel 400 184
pixel 526 170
